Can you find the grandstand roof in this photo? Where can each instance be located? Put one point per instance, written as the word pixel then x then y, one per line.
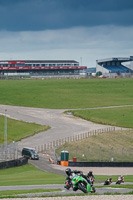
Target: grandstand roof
pixel 121 59
pixel 41 61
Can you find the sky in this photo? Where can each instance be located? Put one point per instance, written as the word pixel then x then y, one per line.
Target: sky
pixel 81 30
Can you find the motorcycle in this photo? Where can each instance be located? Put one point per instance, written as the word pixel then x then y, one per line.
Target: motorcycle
pixel 78 182
pixel 108 181
pixel 120 180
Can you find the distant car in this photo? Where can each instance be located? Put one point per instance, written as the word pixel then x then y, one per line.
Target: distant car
pixel 30 153
pixel 102 76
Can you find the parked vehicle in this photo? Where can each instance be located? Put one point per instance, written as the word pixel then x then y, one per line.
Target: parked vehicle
pixel 75 180
pixel 30 153
pixel 108 181
pixel 120 180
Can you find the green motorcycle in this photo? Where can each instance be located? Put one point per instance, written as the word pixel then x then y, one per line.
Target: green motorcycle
pixel 78 182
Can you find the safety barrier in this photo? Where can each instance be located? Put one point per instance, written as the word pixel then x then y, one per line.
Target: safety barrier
pixel 14 163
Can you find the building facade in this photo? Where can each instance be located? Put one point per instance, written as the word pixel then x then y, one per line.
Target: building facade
pixel 40 67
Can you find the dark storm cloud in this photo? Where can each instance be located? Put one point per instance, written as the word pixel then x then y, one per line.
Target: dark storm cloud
pixel 23 15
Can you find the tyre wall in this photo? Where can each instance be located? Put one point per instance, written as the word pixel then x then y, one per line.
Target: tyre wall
pixel 13 163
pixel 100 164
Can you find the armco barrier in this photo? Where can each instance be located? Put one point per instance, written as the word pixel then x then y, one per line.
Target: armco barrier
pixel 13 163
pixel 100 164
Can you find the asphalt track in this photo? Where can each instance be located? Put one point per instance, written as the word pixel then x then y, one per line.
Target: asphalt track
pixel 44 164
pixel 63 190
pixel 61 124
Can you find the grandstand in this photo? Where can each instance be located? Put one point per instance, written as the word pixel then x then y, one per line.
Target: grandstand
pixel 114 66
pixel 39 67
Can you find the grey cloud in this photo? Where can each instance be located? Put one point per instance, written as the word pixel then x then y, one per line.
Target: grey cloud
pixel 34 15
pixel 89 43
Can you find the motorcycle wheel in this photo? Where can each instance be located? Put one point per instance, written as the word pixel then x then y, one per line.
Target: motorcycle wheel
pixel 82 187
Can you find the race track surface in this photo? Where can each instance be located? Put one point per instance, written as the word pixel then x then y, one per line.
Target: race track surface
pixel 61 124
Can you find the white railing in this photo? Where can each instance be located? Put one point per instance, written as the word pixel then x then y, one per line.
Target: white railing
pixel 57 143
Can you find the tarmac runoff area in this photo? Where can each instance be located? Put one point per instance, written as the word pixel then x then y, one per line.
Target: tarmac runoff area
pixel 44 164
pixel 100 170
pixel 62 125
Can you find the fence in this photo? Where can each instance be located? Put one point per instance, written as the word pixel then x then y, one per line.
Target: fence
pixel 11 151
pixel 8 152
pixel 46 148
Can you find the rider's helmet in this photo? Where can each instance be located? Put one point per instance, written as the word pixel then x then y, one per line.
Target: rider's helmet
pixel 90 173
pixel 68 171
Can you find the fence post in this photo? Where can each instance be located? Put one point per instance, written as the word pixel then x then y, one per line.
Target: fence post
pixel 122 154
pixel 111 154
pixel 73 138
pixel 44 148
pixel 57 143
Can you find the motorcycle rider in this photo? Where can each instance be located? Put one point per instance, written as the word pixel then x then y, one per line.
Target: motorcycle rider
pixel 108 181
pixel 90 177
pixel 121 178
pixel 70 176
pixel 90 173
pixel 68 180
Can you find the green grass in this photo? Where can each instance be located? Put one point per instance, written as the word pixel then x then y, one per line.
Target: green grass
pixel 18 130
pixel 66 93
pixel 116 144
pixel 28 175
pixel 122 117
pixel 15 192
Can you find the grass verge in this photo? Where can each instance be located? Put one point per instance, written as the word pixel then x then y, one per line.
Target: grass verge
pixel 103 147
pixel 18 130
pixel 121 117
pixel 28 175
pixel 69 93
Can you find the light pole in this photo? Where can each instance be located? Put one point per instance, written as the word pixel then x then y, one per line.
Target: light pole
pixel 5 135
pixel 81 61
